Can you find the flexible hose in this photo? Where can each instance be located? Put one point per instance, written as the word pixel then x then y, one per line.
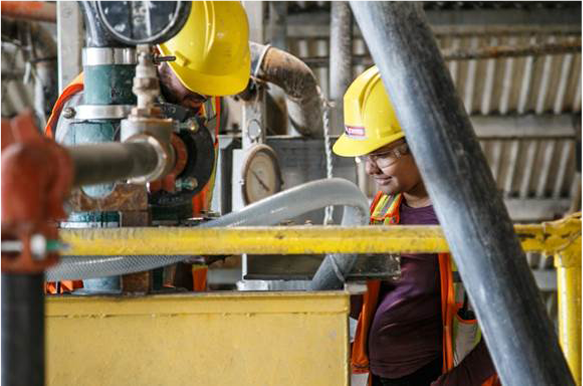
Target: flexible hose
pixel 270 211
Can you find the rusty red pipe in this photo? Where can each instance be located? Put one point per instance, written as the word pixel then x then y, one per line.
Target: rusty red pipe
pixel 30 10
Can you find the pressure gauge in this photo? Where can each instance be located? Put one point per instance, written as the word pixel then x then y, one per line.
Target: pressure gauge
pixel 261 175
pixel 143 22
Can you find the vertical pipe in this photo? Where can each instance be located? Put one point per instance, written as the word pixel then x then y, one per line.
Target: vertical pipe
pixel 519 334
pixel 22 329
pixel 569 292
pixel 340 60
pixel 278 24
pixel 70 40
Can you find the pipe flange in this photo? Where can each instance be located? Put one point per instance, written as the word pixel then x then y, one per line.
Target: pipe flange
pixel 99 56
pixel 165 158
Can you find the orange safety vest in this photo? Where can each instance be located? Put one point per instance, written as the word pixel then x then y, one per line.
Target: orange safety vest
pixel 459 336
pixel 200 202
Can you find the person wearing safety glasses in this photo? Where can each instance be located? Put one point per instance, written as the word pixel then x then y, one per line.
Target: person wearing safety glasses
pixel 418 329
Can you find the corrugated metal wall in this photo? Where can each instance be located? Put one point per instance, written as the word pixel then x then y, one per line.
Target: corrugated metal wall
pixel 526 167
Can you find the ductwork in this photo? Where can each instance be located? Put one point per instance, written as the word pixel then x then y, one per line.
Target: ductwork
pixel 303 95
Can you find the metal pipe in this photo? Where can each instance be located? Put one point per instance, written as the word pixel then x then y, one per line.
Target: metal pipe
pixel 476 223
pixel 568 264
pixel 304 99
pixel 340 60
pixel 107 162
pixel 293 240
pixel 30 10
pixel 23 329
pixel 495 52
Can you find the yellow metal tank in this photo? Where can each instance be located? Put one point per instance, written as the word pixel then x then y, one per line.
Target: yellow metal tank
pixel 279 338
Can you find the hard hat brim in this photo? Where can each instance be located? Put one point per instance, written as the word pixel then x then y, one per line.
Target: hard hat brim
pixel 349 147
pixel 214 85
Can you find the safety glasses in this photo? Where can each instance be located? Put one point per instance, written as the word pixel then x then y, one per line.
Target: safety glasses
pixel 385 158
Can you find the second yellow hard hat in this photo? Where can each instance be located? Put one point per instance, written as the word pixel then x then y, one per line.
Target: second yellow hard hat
pixel 370 121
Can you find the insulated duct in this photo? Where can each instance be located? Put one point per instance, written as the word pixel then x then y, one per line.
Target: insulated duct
pixel 303 95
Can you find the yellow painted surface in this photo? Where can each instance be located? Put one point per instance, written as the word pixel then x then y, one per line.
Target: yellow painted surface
pixel 568 264
pixel 287 240
pixel 207 339
pixel 561 238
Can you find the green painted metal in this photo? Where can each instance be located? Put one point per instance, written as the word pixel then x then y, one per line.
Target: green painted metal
pixel 109 85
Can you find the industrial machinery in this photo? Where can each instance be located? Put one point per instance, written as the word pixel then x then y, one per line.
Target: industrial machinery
pixel 133 164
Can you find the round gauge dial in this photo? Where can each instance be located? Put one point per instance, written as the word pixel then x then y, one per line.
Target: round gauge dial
pixel 143 22
pixel 261 175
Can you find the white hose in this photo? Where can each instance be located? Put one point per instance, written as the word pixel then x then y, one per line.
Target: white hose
pixel 270 211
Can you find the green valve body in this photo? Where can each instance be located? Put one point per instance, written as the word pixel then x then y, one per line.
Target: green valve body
pixel 103 85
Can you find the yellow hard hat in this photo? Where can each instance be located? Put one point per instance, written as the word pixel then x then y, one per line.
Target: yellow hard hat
pixel 370 121
pixel 212 49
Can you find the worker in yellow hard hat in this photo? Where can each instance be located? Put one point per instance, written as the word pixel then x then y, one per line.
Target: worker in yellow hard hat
pixel 418 329
pixel 212 60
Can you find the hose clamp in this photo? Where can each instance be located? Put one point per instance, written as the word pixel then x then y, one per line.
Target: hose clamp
pixel 87 112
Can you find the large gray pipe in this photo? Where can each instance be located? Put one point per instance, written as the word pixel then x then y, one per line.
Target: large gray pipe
pixel 476 224
pixel 303 95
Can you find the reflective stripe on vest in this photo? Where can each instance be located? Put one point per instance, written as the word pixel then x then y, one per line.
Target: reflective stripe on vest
pixel 459 336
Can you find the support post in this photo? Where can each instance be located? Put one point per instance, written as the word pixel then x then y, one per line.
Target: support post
pixel 70 39
pixel 23 334
pixel 476 224
pixel 568 264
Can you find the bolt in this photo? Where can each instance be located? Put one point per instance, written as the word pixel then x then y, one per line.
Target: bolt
pixel 69 112
pixel 38 247
pixel 178 185
pixel 189 183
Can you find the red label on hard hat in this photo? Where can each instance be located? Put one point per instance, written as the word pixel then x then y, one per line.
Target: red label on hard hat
pixel 355 131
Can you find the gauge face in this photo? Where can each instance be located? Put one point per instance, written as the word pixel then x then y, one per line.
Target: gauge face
pixel 261 174
pixel 143 22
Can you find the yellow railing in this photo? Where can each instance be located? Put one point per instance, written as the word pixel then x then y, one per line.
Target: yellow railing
pixel 560 238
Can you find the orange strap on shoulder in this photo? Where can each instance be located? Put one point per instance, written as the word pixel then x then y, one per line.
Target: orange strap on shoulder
pixel 73 88
pixel 447 309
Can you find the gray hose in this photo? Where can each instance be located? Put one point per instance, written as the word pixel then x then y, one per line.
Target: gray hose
pixel 270 211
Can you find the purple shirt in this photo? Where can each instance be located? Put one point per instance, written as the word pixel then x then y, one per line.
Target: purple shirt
pixel 406 332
